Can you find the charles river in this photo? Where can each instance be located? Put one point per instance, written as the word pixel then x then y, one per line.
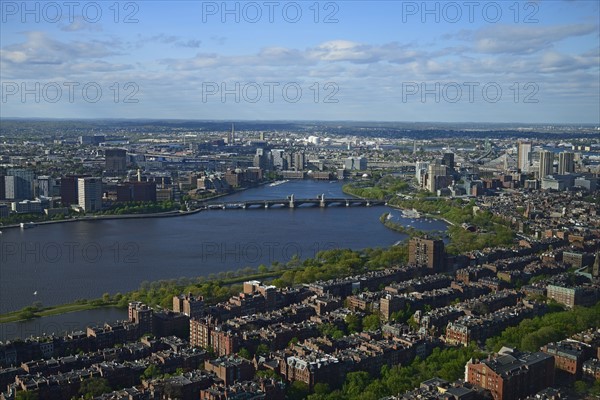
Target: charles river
pixel 60 263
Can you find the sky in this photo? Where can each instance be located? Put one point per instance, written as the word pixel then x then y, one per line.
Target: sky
pixel 463 61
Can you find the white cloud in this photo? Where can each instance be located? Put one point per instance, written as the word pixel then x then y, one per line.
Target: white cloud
pixel 520 39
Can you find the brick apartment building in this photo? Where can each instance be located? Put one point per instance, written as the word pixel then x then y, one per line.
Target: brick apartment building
pixel 512 375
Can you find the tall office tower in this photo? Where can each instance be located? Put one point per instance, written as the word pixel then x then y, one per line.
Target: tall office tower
pixel 355 163
pixel 524 154
pixel 18 184
pixel 45 186
pixel 427 253
pixel 231 136
pixel 566 162
pixel 69 188
pixel 546 163
pixel 115 161
pixel 437 177
pixel 279 159
pixel 420 171
pixel 448 160
pixel 262 159
pixel 299 161
pixel 89 191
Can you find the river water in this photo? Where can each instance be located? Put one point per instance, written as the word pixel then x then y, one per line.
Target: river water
pixel 60 263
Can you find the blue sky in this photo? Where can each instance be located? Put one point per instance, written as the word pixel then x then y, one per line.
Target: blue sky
pixel 480 61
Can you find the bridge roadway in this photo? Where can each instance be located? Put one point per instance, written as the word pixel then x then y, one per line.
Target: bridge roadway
pixel 292 202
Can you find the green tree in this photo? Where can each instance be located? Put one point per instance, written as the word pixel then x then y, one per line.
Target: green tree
pixel 356 383
pixel 267 373
pixel 263 269
pixel 580 387
pixel 94 387
pixel 151 372
pixel 322 388
pixel 244 353
pixel 371 322
pixel 28 395
pixel 354 323
pixel 262 349
pixel 297 390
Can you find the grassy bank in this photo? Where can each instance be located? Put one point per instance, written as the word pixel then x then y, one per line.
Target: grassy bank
pixel 32 312
pixel 117 300
pixel 215 288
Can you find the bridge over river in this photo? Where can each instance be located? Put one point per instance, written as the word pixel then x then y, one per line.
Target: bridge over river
pixel 292 202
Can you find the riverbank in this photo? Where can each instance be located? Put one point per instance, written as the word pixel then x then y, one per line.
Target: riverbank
pixel 32 312
pixel 165 214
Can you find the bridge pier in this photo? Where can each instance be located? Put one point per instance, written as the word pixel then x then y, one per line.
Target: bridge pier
pixel 322 203
pixel 291 203
pixel 347 203
pixel 266 205
pixel 368 203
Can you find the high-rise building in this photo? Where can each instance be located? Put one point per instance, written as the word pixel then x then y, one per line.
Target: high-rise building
pixel 279 159
pixel 566 163
pixel 421 171
pixel 69 189
pixel 262 159
pixel 142 315
pixel 425 252
pixel 355 163
pixel 300 160
pixel 115 161
pixel 546 163
pixel 231 136
pixel 89 191
pixel 2 187
pixel 437 177
pixel 18 184
pixel 448 160
pixel 524 156
pixel 45 186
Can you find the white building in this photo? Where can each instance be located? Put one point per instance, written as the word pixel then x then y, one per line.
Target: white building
pixel 90 194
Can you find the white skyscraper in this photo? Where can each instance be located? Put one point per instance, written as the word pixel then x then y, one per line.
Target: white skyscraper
pixel 524 152
pixel 90 193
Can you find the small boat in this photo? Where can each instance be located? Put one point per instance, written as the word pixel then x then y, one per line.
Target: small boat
pixel 389 216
